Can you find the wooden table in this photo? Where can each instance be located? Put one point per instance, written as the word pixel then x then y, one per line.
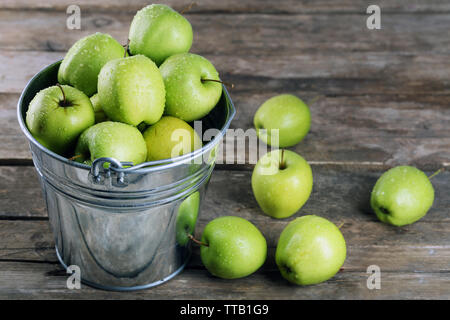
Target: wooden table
pixel 379 98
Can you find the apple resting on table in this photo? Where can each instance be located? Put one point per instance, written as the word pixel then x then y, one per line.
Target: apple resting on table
pixel 285 113
pixel 310 250
pixel 282 182
pixel 232 247
pixel 402 195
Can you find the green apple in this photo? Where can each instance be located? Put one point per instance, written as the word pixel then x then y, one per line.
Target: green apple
pixel 131 90
pixel 100 115
pixel 57 116
pixel 310 250
pixel 190 93
pixel 170 137
pixel 158 32
pixel 111 139
pixel 282 182
pixel 85 59
pixel 187 218
pixel 285 113
pixel 402 195
pixel 234 247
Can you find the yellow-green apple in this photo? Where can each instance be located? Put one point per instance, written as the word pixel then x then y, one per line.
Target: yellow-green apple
pixel 285 113
pixel 84 60
pixel 116 140
pixel 282 182
pixel 191 87
pixel 310 250
pixel 232 247
pixel 131 90
pixel 57 116
pixel 158 32
pixel 187 218
pixel 100 115
pixel 170 137
pixel 402 195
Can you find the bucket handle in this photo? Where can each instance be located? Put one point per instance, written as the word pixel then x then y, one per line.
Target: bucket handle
pixel 98 170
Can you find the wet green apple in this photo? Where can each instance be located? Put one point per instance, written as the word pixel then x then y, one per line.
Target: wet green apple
pixel 158 32
pixel 190 93
pixel 57 116
pixel 402 195
pixel 117 140
pixel 170 137
pixel 310 250
pixel 131 90
pixel 84 60
pixel 187 218
pixel 100 115
pixel 234 247
pixel 285 113
pixel 282 182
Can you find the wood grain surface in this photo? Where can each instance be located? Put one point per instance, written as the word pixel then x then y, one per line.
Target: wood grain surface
pixel 378 99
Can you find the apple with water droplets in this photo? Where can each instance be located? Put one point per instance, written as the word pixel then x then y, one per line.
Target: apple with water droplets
pixel 310 250
pixel 402 195
pixel 84 60
pixel 192 86
pixel 158 32
pixel 131 90
pixel 57 116
pixel 117 140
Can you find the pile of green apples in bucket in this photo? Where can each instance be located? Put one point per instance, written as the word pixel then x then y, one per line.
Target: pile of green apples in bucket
pixel 125 103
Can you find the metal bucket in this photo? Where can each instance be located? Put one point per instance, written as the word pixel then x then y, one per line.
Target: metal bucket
pixel 125 228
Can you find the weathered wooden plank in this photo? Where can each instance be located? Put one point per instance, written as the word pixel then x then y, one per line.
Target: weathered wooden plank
pixel 391 129
pixel 359 73
pixel 422 247
pixel 338 193
pixel 46 281
pixel 237 6
pixel 242 34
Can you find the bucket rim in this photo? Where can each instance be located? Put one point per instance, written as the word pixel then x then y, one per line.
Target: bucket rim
pixel 142 168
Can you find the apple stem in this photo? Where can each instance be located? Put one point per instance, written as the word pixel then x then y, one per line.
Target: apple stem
pixel 340 226
pixel 190 236
pixel 126 48
pixel 436 173
pixel 222 82
pixel 64 95
pixel 189 7
pixel 74 157
pixel 282 162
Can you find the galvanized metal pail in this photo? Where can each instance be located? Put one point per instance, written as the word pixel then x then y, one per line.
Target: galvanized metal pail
pixel 125 228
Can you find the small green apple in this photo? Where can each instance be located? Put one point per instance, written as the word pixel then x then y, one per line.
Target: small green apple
pixel 158 32
pixel 234 247
pixel 187 218
pixel 111 139
pixel 131 90
pixel 170 137
pixel 402 195
pixel 282 182
pixel 100 115
pixel 85 59
pixel 285 113
pixel 190 93
pixel 310 250
pixel 57 116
